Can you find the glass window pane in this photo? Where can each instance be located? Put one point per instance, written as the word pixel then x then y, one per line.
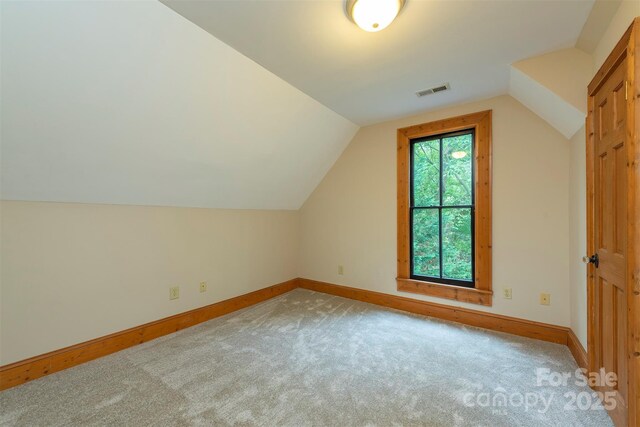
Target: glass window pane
pixel 426 242
pixel 426 173
pixel 456 243
pixel 457 155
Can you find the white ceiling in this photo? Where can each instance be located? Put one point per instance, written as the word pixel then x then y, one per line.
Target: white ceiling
pixel 130 103
pixel 371 77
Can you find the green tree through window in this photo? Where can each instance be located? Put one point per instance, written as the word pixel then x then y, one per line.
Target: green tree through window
pixel 442 208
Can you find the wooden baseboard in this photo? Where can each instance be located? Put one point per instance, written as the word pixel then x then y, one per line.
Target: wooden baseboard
pixel 48 363
pixel 578 351
pixel 495 322
pixel 30 369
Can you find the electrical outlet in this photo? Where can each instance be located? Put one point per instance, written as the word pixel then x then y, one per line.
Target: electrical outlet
pixel 545 299
pixel 506 292
pixel 203 286
pixel 341 270
pixel 174 292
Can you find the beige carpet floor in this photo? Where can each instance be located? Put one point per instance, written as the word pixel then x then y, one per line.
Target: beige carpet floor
pixel 310 359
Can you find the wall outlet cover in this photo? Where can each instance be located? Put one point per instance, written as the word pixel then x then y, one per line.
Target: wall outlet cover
pixel 174 292
pixel 545 299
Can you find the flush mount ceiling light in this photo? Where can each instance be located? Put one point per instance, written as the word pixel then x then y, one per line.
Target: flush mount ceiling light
pixel 373 15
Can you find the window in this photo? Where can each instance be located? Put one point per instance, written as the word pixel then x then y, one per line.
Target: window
pixel 444 208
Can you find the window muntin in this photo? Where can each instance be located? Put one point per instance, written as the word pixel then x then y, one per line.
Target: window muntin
pixel 442 208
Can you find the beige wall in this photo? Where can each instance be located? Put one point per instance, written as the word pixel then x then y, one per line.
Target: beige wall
pixel 565 72
pixel 627 11
pixel 578 235
pixel 350 219
pixel 73 272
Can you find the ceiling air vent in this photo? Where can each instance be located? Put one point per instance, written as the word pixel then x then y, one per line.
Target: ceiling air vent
pixel 433 90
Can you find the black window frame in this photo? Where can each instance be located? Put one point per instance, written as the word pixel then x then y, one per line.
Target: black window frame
pixel 440 207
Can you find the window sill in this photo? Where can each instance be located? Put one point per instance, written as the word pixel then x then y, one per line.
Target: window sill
pixel 458 293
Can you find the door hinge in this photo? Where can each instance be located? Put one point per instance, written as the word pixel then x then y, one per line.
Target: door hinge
pixel 626 91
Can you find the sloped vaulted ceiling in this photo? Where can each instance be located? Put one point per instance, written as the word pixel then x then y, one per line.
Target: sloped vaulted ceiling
pixel 372 77
pixel 130 103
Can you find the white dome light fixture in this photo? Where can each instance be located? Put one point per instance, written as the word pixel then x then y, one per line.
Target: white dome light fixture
pixel 373 15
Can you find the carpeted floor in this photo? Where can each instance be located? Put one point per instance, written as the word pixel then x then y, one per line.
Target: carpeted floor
pixel 306 359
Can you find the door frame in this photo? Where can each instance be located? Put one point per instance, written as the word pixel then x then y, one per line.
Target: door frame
pixel 627 47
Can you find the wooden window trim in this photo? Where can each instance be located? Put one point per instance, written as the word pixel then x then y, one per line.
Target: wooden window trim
pixel 482 293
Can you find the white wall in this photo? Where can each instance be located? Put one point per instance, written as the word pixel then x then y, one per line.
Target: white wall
pixel 74 272
pixel 350 218
pixel 578 235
